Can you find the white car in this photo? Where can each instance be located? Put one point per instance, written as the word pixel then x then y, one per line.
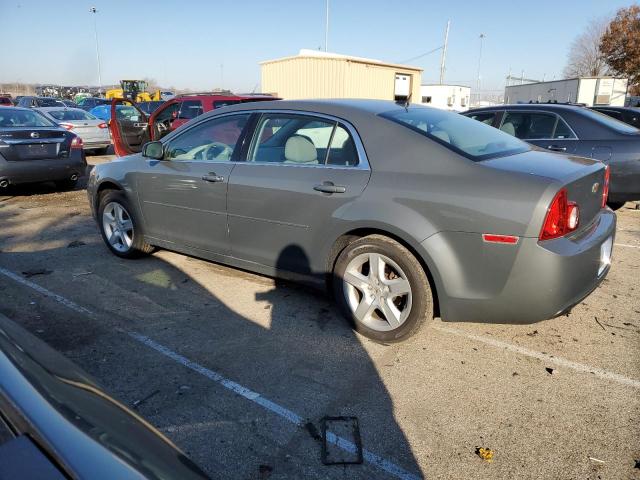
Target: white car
pixel 93 131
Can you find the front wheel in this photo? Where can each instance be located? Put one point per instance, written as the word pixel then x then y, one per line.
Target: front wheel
pixel 119 227
pixel 382 289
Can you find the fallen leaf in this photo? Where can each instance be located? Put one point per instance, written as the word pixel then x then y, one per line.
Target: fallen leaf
pixel 485 454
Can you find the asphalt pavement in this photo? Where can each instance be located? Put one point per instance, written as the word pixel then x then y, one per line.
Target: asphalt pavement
pixel 239 369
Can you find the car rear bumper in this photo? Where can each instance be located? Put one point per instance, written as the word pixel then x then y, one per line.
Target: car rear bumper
pixel 523 283
pixel 27 171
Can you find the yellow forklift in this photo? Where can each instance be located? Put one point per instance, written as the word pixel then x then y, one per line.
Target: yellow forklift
pixel 134 90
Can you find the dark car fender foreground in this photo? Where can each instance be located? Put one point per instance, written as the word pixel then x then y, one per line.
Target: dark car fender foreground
pixel 56 422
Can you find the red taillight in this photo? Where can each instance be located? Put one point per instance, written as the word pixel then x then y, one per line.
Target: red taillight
pixel 76 142
pixel 562 217
pixel 68 126
pixel 103 125
pixel 605 187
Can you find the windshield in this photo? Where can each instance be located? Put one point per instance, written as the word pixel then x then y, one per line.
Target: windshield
pixel 463 135
pixel 610 122
pixel 10 117
pixel 71 115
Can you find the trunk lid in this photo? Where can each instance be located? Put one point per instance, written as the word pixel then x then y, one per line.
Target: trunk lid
pixel 28 143
pixel 582 177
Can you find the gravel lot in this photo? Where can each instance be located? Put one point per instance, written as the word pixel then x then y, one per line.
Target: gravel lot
pixel 559 399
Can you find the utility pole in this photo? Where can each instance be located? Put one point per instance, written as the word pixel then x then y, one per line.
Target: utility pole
pixel 482 35
pixel 94 10
pixel 326 30
pixel 444 52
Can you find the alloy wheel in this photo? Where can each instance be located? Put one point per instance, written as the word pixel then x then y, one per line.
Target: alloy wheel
pixel 117 226
pixel 377 291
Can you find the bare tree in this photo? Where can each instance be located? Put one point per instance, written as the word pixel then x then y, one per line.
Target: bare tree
pixel 585 58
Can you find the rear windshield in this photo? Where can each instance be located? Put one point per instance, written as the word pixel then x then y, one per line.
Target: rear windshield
pixel 475 140
pixel 71 115
pixel 12 117
pixel 609 122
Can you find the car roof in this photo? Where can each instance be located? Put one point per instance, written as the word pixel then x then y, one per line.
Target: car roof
pixel 617 109
pixel 221 96
pixel 338 106
pixel 531 106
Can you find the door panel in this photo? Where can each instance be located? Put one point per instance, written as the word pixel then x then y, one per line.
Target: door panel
pixel 184 197
pixel 129 127
pixel 300 172
pixel 275 206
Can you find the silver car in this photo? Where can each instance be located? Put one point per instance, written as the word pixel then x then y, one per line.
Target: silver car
pixel 407 212
pixel 93 131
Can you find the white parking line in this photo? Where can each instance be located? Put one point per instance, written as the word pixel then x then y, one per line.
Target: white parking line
pixel 626 245
pixel 247 393
pixel 562 362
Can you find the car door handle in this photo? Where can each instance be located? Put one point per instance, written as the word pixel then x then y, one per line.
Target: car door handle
pixel 330 188
pixel 213 178
pixel 556 148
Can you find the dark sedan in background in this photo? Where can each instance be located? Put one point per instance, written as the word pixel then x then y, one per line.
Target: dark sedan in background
pixel 575 130
pixel 57 423
pixel 36 149
pixel 36 102
pixel 404 210
pixel 629 115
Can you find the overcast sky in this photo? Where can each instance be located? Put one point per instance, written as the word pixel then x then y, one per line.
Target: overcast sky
pixel 218 43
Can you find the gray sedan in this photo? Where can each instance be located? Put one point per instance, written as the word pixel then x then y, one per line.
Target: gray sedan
pixel 406 212
pixel 93 131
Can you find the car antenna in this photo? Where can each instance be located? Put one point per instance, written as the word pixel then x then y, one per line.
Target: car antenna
pixel 407 101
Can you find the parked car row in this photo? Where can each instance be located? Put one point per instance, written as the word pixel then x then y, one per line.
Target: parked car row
pixel 576 130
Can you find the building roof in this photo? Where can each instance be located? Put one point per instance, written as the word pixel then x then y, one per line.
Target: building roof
pixel 307 53
pixel 444 85
pixel 566 80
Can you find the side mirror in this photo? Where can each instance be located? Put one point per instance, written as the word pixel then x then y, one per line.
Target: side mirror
pixel 154 150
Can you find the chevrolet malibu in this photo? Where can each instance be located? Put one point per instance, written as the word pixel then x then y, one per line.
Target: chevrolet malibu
pixel 405 212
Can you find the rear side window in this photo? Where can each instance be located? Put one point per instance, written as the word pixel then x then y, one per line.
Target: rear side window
pixel 190 109
pixel 475 140
pixel 608 122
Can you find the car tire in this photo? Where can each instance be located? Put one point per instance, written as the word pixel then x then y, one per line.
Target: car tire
pixel 66 184
pixel 367 299
pixel 615 205
pixel 119 226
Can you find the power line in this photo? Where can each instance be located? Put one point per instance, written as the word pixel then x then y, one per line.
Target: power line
pixel 422 55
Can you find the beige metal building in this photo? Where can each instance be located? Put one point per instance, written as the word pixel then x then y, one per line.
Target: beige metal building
pixel 316 74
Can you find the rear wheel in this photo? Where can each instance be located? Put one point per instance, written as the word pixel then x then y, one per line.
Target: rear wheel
pixel 119 227
pixel 382 289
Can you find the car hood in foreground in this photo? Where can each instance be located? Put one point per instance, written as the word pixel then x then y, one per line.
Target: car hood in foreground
pixel 86 432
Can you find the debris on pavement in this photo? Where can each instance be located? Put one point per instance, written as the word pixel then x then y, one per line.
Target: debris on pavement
pixel 637 465
pixel 485 454
pixel 79 274
pixel 313 431
pixel 334 428
pixel 598 322
pixel 264 471
pixel 535 332
pixel 76 244
pixel 596 460
pixel 550 370
pixel 137 403
pixel 36 271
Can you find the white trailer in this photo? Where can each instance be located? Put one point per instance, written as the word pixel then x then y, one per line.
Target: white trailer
pixel 446 97
pixel 587 90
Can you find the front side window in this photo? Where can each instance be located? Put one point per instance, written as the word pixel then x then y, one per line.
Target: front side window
pixel 299 139
pixel 213 140
pixel 190 109
pixel 474 140
pixel 168 112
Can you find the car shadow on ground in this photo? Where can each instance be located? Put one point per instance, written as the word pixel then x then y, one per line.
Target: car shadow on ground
pixel 292 348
